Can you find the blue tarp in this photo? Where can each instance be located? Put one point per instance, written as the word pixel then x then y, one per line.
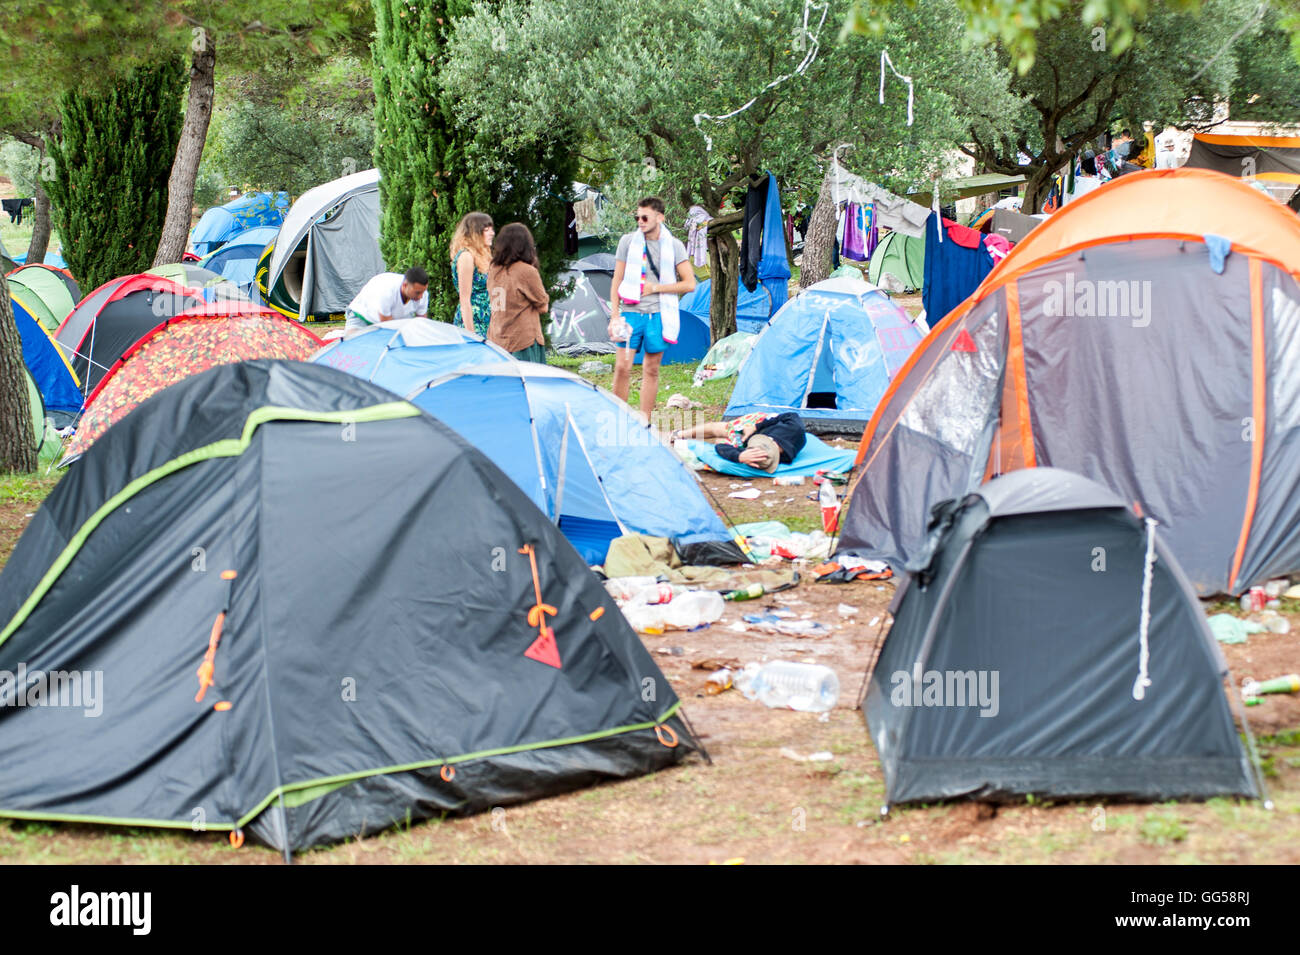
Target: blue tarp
pixel 236 260
pixel 52 377
pixel 220 224
pixel 51 258
pixel 774 267
pixel 842 339
pixel 816 456
pixel 578 452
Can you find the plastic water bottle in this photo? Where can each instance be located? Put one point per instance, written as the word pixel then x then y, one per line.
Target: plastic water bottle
pixel 807 687
pixel 692 609
pixel 655 594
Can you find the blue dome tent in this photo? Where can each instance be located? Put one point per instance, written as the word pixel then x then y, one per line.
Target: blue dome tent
pixel 828 354
pixel 581 455
pixel 405 354
pixel 236 260
pixel 220 224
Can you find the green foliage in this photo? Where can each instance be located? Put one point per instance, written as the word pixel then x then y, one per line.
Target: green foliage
pixel 111 166
pixel 436 165
pixel 1015 25
pixel 648 108
pixel 424 175
pixel 1267 86
pixel 22 164
pixel 1174 71
pixel 272 135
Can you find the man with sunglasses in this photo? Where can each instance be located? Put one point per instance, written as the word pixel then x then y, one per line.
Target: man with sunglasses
pixel 643 316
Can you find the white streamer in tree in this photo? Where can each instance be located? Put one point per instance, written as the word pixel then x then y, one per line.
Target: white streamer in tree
pixel 885 60
pixel 1144 653
pixel 814 45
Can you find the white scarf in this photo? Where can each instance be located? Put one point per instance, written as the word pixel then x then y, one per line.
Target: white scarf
pixel 629 290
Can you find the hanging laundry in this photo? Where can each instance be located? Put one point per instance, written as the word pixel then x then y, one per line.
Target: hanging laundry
pixel 570 230
pixel 873 230
pixel 855 236
pixel 956 261
pixel 751 234
pixel 697 235
pixel 997 245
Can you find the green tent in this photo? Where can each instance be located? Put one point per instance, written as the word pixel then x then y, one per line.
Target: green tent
pixel 48 294
pixel 903 258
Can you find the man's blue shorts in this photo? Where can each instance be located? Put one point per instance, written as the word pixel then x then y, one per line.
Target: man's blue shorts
pixel 647 331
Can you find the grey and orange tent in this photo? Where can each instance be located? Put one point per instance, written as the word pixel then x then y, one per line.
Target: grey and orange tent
pixel 458 654
pixel 1146 337
pixel 218 333
pixel 1270 159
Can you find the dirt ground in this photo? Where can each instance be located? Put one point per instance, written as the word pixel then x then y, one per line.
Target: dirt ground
pixel 761 800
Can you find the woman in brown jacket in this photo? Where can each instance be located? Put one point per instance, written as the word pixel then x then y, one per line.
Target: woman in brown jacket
pixel 518 297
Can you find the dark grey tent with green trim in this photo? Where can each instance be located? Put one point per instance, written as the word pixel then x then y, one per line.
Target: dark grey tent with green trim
pixel 404 632
pixel 1018 661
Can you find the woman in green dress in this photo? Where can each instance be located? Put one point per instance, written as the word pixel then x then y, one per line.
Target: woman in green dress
pixel 471 252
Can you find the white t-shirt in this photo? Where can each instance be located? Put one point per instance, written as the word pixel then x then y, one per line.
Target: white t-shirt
pixel 382 295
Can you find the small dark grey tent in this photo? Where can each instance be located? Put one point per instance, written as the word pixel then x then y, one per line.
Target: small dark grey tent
pixel 296 604
pixel 1018 661
pixel 580 322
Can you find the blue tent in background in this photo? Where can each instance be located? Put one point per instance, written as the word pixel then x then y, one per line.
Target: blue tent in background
pixel 220 224
pixel 752 308
pixel 773 266
pixel 405 354
pixel 51 258
pixel 581 455
pixel 828 354
pixel 236 260
pixel 51 374
pixel 693 338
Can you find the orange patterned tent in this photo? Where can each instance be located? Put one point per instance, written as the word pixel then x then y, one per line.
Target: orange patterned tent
pixel 198 339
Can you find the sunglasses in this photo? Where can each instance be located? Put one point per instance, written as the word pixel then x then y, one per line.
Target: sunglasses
pixel 642 218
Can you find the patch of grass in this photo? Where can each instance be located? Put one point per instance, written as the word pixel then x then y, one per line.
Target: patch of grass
pixel 26 488
pixel 1162 829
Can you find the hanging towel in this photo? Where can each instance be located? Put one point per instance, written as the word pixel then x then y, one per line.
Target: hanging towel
pixel 697 235
pixel 633 282
pixel 855 239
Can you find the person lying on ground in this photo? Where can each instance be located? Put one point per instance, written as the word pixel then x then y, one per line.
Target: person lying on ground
pixel 761 440
pixel 388 296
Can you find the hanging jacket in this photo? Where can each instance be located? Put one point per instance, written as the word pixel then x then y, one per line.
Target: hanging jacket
pixel 751 234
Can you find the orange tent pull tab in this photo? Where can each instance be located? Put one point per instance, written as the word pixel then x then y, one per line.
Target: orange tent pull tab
pixel 671 741
pixel 448 773
pixel 236 837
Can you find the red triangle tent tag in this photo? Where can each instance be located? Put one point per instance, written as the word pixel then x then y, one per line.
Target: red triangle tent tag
pixel 544 649
pixel 964 342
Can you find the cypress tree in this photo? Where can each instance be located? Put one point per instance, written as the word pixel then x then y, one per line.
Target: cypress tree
pixel 428 175
pixel 112 161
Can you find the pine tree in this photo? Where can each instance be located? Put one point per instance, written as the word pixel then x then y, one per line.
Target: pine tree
pixel 429 176
pixel 112 161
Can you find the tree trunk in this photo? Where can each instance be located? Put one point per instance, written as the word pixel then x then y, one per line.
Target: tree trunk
pixel 40 228
pixel 819 243
pixel 724 270
pixel 1036 189
pixel 189 151
pixel 17 444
